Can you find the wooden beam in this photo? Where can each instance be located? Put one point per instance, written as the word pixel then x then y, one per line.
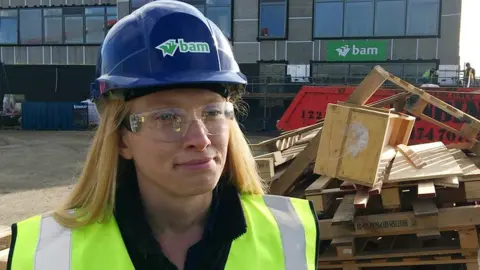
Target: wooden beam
pixel 400 223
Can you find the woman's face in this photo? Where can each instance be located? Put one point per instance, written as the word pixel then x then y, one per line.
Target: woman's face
pixel 173 148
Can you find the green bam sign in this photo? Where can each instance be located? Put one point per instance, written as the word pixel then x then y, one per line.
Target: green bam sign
pixel 356 50
pixel 172 46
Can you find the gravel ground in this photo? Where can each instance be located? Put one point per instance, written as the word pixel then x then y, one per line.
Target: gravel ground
pixel 38 169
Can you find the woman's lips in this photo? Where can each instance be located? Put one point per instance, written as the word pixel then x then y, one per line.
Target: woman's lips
pixel 197 164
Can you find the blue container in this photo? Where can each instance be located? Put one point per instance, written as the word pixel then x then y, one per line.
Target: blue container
pixel 54 116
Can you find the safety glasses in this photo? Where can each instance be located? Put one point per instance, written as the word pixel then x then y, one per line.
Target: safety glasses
pixel 171 124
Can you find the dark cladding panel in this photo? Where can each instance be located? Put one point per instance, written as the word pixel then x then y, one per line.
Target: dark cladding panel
pixel 48 83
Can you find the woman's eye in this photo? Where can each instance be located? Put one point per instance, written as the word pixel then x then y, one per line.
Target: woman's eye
pixel 164 116
pixel 212 113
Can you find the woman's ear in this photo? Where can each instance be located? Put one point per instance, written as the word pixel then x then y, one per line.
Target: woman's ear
pixel 125 150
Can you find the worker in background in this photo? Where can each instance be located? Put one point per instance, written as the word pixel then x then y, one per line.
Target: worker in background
pixel 469 75
pixel 169 181
pixel 428 76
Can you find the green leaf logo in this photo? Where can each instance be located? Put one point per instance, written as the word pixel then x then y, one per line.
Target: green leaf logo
pixel 171 46
pixel 168 47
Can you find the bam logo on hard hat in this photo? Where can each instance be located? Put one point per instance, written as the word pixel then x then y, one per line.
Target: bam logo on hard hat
pixel 345 49
pixel 171 46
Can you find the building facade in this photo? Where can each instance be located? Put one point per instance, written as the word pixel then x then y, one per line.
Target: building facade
pixel 339 41
pixel 276 42
pixel 48 48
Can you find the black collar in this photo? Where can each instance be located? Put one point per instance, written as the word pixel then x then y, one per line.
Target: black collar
pixel 225 223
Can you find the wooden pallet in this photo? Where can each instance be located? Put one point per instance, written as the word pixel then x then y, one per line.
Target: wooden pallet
pixel 296 171
pixel 5 236
pixel 449 236
pixel 327 194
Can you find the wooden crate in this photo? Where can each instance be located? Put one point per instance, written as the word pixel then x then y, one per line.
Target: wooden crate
pixel 356 139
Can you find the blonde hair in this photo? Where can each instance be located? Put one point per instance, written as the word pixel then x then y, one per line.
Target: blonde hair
pixel 93 198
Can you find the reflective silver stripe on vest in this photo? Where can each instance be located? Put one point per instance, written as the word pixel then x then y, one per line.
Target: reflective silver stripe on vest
pixel 291 232
pixel 54 246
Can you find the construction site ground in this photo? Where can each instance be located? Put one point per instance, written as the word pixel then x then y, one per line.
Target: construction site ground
pixel 38 169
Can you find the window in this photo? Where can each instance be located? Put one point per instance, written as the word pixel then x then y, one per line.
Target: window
pixel 328 20
pixel 273 16
pixel 52 26
pixel 136 4
pixel 218 11
pixel 94 24
pixel 376 18
pixel 111 17
pixel 8 26
pixel 30 26
pixel 74 25
pixel 358 18
pixel 67 25
pixel 422 17
pixel 390 18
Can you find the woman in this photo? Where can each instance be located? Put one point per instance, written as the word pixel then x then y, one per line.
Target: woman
pixel 169 182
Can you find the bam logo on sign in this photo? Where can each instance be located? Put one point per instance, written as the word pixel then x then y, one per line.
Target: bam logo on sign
pixel 172 46
pixel 363 50
pixel 345 49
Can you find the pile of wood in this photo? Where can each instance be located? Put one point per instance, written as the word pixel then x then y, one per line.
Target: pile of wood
pixel 5 235
pixel 380 201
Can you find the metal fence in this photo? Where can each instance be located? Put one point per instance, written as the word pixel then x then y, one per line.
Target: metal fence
pixel 291 85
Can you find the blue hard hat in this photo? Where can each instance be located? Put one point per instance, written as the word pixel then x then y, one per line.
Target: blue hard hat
pixel 165 44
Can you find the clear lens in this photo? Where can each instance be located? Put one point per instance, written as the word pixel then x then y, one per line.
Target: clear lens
pixel 171 124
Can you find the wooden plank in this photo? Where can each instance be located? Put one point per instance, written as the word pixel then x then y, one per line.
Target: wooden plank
pixel 426 190
pixel 468 238
pixel 345 211
pixel 451 181
pixel 474 123
pixel 347 186
pixel 422 208
pixel 266 168
pixel 390 198
pixel 440 164
pixel 411 156
pixel 332 141
pixel 342 241
pixel 3 259
pixel 468 166
pixel 361 198
pixel 401 223
pixel 393 255
pixel 377 188
pixel 320 184
pixel 344 246
pixel 5 236
pixel 472 191
pixel 368 86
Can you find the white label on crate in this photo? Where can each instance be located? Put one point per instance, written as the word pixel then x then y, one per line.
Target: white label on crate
pixel 347 251
pixel 357 138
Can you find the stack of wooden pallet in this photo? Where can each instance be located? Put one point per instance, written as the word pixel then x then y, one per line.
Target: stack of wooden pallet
pixel 381 202
pixel 5 236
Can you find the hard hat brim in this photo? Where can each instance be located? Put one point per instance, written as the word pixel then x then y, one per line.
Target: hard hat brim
pixel 185 79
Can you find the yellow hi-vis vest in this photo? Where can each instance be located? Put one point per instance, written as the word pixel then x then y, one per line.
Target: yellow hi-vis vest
pixel 281 234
